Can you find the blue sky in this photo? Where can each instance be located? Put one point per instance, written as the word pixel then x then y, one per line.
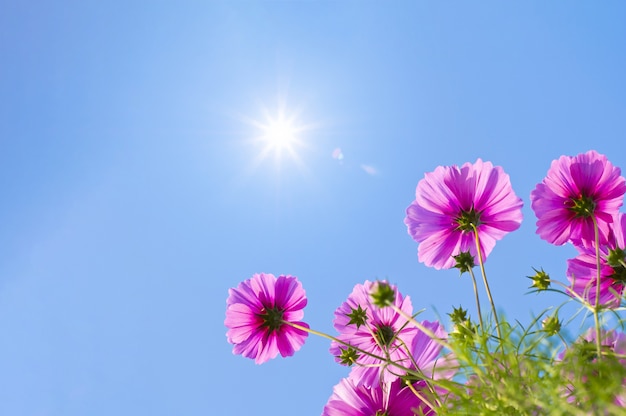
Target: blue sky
pixel 134 194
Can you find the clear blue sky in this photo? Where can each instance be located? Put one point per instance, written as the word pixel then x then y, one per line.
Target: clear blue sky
pixel 133 194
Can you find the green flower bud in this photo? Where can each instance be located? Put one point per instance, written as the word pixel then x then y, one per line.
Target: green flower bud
pixel 541 279
pixel 458 315
pixel 383 295
pixel 358 316
pixel 464 332
pixel 348 356
pixel 616 257
pixel 551 325
pixel 464 261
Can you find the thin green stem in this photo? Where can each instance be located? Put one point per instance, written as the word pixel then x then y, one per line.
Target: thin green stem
pixel 426 379
pixel 480 316
pixel 330 337
pixel 565 344
pixel 432 336
pixel 596 309
pixel 481 262
pixel 422 398
pixel 421 327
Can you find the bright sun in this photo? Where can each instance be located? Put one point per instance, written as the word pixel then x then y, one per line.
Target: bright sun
pixel 280 134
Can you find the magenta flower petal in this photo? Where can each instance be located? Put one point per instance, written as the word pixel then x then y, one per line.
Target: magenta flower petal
pixel 385 333
pixel 450 199
pixel 582 270
pixel 426 352
pixel 374 335
pixel 575 190
pixel 393 399
pixel 256 313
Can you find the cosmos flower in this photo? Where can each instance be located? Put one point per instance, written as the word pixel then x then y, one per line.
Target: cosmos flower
pixel 576 190
pixel 256 313
pixel 582 270
pixel 451 201
pixel 393 399
pixel 382 332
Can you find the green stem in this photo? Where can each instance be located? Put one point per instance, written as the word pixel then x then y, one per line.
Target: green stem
pixel 480 316
pixel 484 274
pixel 421 327
pixel 421 397
pixel 596 309
pixel 432 336
pixel 431 389
pixel 330 337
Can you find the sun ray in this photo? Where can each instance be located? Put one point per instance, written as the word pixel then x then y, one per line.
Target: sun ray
pixel 280 137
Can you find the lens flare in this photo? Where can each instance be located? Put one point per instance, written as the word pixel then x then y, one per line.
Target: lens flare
pixel 337 154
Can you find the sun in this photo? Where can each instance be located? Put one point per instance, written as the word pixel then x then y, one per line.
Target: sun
pixel 280 134
pixel 279 137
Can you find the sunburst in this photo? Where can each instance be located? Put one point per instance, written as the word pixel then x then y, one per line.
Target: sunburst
pixel 280 136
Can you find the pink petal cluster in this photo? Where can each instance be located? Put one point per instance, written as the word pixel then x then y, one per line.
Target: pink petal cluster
pixel 582 270
pixel 574 192
pixel 256 313
pixel 405 345
pixel 451 198
pixel 393 399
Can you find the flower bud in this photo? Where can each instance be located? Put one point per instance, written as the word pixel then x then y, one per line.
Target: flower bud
pixel 458 315
pixel 541 280
pixel 383 295
pixel 464 261
pixel 551 325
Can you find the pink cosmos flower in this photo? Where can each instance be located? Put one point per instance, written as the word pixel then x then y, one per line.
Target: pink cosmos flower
pixel 384 333
pixel 350 399
pixel 451 201
pixel 582 270
pixel 575 190
pixel 256 313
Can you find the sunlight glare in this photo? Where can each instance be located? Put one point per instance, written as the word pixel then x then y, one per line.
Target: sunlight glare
pixel 279 137
pixel 280 134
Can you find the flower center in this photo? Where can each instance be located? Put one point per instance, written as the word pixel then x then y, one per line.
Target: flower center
pixel 616 261
pixel 381 413
pixel 582 207
pixel 272 318
pixel 467 220
pixel 384 334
